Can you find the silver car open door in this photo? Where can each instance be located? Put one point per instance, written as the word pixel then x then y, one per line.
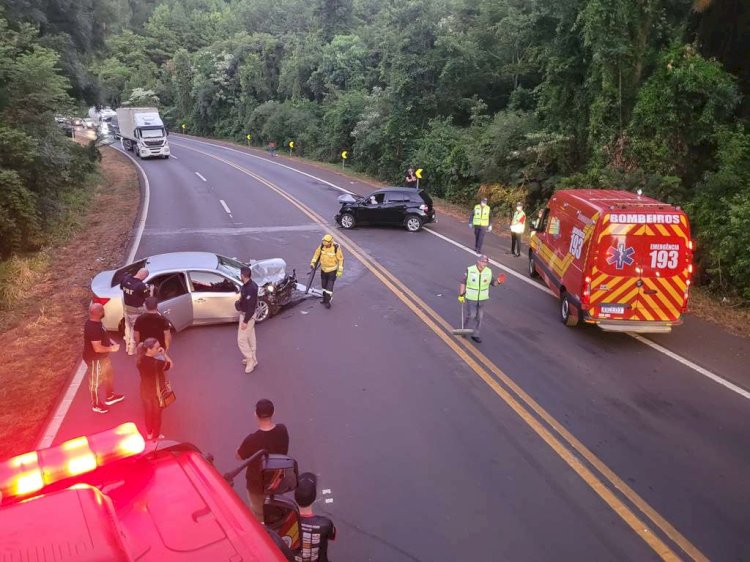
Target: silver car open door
pixel 213 297
pixel 175 301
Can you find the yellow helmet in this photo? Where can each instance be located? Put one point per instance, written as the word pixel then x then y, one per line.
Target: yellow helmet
pixel 327 238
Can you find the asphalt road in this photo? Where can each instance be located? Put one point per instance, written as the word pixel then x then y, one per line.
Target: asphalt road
pixel 551 443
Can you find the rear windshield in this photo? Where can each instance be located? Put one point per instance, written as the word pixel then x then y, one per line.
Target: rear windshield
pixel 131 269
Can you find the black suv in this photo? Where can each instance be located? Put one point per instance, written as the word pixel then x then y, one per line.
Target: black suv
pixel 401 206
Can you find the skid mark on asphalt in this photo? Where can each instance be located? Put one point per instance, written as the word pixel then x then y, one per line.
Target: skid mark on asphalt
pixel 594 472
pixel 656 347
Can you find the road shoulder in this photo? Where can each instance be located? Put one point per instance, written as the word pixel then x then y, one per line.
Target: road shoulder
pixel 43 329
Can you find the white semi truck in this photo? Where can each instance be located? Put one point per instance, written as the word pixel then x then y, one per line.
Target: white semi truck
pixel 142 132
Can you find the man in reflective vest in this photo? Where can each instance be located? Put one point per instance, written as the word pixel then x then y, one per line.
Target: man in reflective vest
pixel 480 222
pixel 475 290
pixel 331 261
pixel 517 226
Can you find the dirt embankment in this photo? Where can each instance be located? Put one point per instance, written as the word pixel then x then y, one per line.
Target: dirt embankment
pixel 41 330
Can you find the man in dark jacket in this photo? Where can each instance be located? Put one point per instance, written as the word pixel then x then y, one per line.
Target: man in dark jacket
pixel 246 332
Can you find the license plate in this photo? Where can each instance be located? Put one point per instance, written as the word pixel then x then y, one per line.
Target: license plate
pixel 613 310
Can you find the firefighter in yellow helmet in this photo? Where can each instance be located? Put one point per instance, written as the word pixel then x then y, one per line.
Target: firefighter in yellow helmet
pixel 328 255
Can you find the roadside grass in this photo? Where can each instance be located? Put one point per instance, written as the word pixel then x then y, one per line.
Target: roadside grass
pixel 723 311
pixel 43 299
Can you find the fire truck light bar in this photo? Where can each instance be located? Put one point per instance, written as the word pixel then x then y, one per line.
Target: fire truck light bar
pixel 28 473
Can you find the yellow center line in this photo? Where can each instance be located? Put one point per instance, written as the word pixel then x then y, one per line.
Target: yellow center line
pixel 483 366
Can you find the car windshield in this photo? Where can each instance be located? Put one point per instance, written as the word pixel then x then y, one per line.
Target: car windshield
pixel 152 133
pixel 230 266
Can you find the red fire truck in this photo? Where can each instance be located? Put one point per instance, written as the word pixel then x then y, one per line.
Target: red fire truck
pixel 614 258
pixel 112 496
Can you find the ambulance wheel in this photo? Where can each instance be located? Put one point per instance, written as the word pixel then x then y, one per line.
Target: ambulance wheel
pixel 532 268
pixel 566 313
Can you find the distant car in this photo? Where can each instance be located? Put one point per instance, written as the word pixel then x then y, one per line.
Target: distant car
pixel 89 123
pixel 397 206
pixel 195 288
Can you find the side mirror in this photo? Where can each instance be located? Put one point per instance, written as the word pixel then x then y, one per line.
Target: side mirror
pixel 281 515
pixel 279 474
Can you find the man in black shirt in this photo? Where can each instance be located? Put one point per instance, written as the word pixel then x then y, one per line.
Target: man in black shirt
pixel 246 332
pixel 96 349
pixel 134 292
pixel 315 530
pixel 270 437
pixel 151 324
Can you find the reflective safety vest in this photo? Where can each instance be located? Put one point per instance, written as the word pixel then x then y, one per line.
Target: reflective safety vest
pixel 478 283
pixel 481 215
pixel 518 224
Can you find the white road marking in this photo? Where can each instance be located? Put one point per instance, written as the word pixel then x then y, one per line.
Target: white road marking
pixel 200 176
pixel 329 500
pixel 656 347
pixel 173 156
pixel 326 491
pixel 61 411
pixel 705 372
pixel 223 204
pixel 232 231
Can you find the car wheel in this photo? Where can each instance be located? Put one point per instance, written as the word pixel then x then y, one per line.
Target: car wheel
pixel 566 313
pixel 347 220
pixel 413 223
pixel 532 267
pixel 262 312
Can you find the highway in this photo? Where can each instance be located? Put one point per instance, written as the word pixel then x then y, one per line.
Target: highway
pixel 542 443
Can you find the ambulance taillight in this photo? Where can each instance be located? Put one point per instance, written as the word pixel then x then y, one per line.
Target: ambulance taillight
pixel 586 293
pixel 27 474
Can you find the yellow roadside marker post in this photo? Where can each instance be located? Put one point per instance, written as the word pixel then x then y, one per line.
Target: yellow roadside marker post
pixel 344 155
pixel 291 147
pixel 418 173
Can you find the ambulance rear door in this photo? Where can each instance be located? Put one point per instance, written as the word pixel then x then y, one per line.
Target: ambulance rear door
pixel 663 257
pixel 615 272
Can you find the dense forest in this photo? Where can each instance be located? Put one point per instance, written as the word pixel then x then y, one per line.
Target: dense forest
pixel 515 98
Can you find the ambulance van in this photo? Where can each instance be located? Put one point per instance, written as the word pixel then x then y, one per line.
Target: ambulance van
pixel 614 258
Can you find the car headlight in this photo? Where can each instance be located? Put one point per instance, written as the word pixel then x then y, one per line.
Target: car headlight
pixel 270 288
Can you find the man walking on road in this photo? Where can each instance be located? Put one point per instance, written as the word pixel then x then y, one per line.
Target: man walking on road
pixel 331 261
pixel 517 226
pixel 315 530
pixel 134 293
pixel 96 349
pixel 480 222
pixel 246 332
pixel 475 290
pixel 270 437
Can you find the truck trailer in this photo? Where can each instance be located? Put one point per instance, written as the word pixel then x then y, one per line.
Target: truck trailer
pixel 142 131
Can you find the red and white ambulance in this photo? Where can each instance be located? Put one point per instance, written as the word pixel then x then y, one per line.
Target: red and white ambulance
pixel 614 258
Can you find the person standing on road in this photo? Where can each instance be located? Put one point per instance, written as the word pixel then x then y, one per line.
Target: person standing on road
pixel 96 349
pixel 246 306
pixel 270 437
pixel 480 222
pixel 331 261
pixel 475 290
pixel 411 179
pixel 152 361
pixel 315 530
pixel 151 324
pixel 517 226
pixel 134 293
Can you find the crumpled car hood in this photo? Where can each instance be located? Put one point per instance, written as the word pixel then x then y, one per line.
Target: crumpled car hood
pixel 268 271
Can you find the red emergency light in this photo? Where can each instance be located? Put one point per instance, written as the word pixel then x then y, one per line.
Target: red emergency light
pixel 28 473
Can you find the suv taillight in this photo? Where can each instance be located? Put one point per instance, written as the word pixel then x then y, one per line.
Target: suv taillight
pixel 100 300
pixel 424 207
